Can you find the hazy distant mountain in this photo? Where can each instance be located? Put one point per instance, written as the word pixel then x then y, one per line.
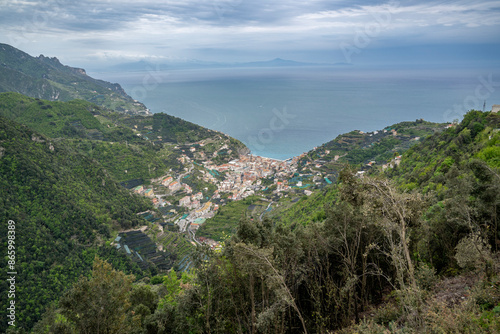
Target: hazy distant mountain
pixel 146 65
pixel 46 78
pixel 278 62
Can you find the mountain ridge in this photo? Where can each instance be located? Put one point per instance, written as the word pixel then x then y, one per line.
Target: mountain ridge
pixel 47 78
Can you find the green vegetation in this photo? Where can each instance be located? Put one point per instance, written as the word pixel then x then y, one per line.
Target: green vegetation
pixel 124 155
pixel 65 206
pixel 225 222
pixel 173 129
pixel 462 189
pixel 112 138
pixel 129 161
pixel 55 119
pixel 177 246
pixel 413 249
pixel 307 209
pixel 358 148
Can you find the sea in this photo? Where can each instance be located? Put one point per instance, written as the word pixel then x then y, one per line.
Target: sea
pixel 282 112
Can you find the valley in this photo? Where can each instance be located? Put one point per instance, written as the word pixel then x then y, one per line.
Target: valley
pixel 167 226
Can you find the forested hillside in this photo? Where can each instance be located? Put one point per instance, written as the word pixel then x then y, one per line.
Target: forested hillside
pixel 458 171
pixel 359 148
pixel 411 250
pixel 60 171
pixel 129 147
pixel 64 206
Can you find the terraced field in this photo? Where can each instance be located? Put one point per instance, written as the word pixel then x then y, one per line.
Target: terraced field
pixel 178 248
pixel 143 250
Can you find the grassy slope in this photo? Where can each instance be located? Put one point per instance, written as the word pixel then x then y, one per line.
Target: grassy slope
pixel 224 224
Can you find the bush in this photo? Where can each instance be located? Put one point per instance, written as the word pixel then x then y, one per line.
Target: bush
pixel 426 276
pixel 473 252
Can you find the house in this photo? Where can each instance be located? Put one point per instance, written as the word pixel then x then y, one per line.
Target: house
pixel 222 168
pixel 138 189
pixel 360 173
pixel 205 208
pixel 185 201
pixel 174 186
pixel 149 192
pixel 166 181
pixel 495 108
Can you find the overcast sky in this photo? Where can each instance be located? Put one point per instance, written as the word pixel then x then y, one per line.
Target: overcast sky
pixel 89 33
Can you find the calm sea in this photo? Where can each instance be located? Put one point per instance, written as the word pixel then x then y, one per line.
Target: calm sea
pixel 281 113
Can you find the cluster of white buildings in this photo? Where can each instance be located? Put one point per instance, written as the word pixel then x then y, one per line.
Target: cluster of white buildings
pixel 191 202
pixel 242 176
pixel 174 185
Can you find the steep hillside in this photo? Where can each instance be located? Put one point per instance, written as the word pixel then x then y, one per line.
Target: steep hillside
pixel 358 148
pixel 427 165
pixel 458 171
pixel 64 206
pixel 413 248
pixel 129 147
pixel 320 167
pixel 46 78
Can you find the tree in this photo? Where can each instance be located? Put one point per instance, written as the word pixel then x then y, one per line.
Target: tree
pixel 260 262
pixel 100 304
pixel 396 213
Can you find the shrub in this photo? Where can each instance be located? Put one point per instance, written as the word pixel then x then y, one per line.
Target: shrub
pixel 473 252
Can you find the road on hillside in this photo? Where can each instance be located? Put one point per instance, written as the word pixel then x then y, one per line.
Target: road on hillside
pixel 269 208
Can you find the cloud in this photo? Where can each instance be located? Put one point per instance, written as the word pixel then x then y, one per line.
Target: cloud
pixel 175 28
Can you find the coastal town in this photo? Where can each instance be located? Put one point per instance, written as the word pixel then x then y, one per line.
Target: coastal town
pixel 204 183
pixel 188 198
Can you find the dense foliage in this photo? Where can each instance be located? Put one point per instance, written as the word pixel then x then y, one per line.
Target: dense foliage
pixel 357 147
pixel 64 205
pixel 363 255
pixel 458 171
pixel 128 147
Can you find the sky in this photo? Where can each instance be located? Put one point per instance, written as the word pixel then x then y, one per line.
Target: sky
pixel 93 33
